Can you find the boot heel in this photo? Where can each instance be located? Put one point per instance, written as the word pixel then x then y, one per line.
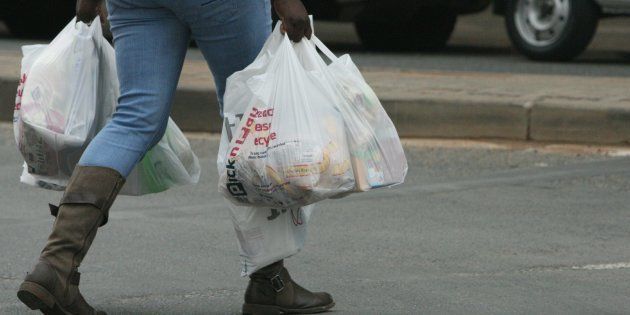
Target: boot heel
pixel 258 309
pixel 35 296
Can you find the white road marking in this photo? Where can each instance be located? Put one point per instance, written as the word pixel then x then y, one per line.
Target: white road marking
pixel 622 265
pixel 620 152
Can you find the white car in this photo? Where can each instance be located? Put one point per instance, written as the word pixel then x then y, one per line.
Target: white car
pixel 555 29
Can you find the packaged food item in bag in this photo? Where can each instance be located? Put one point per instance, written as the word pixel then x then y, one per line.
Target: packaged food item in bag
pixel 289 146
pixel 68 92
pixel 377 155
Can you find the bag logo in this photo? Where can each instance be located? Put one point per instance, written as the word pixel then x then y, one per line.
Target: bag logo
pixel 249 129
pixel 233 185
pixel 20 91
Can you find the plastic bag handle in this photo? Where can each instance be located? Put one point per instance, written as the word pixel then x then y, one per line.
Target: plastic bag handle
pixel 318 43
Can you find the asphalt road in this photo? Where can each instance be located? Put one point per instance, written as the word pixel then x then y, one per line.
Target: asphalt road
pixel 479 43
pixel 476 229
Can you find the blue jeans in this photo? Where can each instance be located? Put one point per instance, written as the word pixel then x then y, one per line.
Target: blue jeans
pixel 151 38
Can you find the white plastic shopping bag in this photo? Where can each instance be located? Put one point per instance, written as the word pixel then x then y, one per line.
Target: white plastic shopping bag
pixel 68 91
pixel 58 101
pixel 378 158
pixel 260 106
pixel 265 235
pixel 289 148
pixel 171 162
pixel 30 54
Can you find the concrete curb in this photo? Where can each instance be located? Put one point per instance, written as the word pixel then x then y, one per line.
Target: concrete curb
pixel 559 122
pixel 578 120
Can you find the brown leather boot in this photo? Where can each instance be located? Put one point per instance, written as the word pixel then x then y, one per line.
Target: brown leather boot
pixel 272 291
pixel 53 285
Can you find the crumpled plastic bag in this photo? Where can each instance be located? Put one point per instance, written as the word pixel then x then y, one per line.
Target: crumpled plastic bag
pixel 289 147
pixel 377 155
pixel 54 116
pixel 68 92
pixel 265 234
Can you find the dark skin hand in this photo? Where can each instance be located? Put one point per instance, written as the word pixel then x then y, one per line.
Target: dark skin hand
pixel 295 21
pixel 87 10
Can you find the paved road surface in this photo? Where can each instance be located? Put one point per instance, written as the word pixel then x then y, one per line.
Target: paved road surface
pixel 477 229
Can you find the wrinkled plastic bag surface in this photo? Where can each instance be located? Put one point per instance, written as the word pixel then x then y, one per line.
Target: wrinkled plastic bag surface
pixel 29 55
pixel 58 101
pixel 378 158
pixel 171 162
pixel 265 234
pixel 289 148
pixel 376 155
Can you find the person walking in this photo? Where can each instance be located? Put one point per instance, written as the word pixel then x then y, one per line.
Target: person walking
pixel 151 38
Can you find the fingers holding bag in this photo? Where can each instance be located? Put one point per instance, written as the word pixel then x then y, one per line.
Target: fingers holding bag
pixel 295 20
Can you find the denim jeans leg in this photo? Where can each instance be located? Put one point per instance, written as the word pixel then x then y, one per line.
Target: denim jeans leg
pixel 230 34
pixel 150 44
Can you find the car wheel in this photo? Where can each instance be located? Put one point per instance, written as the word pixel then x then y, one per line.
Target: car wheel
pixel 39 19
pixel 551 29
pixel 383 27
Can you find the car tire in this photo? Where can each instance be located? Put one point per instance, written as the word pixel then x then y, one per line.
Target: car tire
pixel 39 19
pixel 382 26
pixel 557 34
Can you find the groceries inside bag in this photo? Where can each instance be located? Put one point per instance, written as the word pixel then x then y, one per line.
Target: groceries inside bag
pixel 288 147
pixel 377 155
pixel 68 92
pixel 307 131
pixel 265 235
pixel 56 101
pixel 295 133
